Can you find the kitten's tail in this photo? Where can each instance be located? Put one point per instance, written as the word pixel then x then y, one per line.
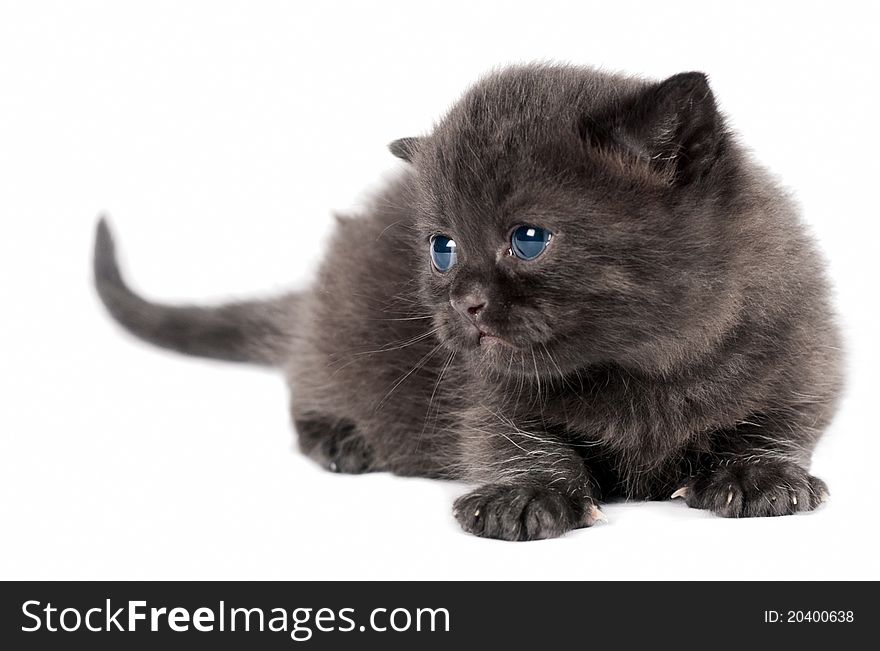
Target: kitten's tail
pixel 253 331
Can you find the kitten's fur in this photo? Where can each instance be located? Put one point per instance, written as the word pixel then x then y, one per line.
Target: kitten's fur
pixel 675 338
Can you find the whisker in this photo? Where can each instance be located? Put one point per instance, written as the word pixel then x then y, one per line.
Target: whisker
pixel 433 394
pixel 404 344
pixel 418 365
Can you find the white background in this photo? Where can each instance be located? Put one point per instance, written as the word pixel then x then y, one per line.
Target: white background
pixel 220 137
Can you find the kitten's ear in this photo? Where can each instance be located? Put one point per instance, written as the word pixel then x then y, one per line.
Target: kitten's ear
pixel 405 148
pixel 676 126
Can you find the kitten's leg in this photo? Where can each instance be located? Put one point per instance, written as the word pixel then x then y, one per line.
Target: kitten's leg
pixel 335 444
pixel 536 485
pixel 752 473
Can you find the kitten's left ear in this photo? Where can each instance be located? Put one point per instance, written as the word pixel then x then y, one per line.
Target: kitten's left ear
pixel 405 148
pixel 675 124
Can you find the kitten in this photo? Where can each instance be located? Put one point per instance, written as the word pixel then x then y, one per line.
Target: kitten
pixel 580 289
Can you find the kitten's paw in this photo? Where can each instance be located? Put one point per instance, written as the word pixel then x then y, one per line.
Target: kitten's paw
pixel 337 448
pixel 512 512
pixel 350 454
pixel 751 490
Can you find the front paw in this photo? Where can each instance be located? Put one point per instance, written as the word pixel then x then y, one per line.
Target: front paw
pixel 521 512
pixel 754 489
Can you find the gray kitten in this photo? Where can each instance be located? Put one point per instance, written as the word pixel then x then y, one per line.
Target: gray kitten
pixel 580 289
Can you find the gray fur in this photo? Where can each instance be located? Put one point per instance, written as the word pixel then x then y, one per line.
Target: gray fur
pixel 676 336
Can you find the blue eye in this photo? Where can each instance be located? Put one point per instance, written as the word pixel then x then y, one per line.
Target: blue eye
pixel 528 242
pixel 443 253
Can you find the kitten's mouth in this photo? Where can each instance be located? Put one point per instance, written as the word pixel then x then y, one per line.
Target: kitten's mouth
pixel 486 338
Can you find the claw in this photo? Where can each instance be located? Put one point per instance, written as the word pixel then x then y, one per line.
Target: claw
pixel 595 515
pixel 681 492
pixel 823 496
pixel 729 497
pixel 477 513
pixel 794 499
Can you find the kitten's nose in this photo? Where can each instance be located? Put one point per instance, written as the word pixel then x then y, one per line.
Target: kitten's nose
pixel 469 306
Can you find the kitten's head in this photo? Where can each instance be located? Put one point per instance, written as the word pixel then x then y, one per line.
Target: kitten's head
pixel 569 217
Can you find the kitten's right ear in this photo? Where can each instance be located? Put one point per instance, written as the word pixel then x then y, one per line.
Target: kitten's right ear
pixel 405 148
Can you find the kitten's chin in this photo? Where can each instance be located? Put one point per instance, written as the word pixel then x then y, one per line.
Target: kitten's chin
pixel 486 341
pixel 495 355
